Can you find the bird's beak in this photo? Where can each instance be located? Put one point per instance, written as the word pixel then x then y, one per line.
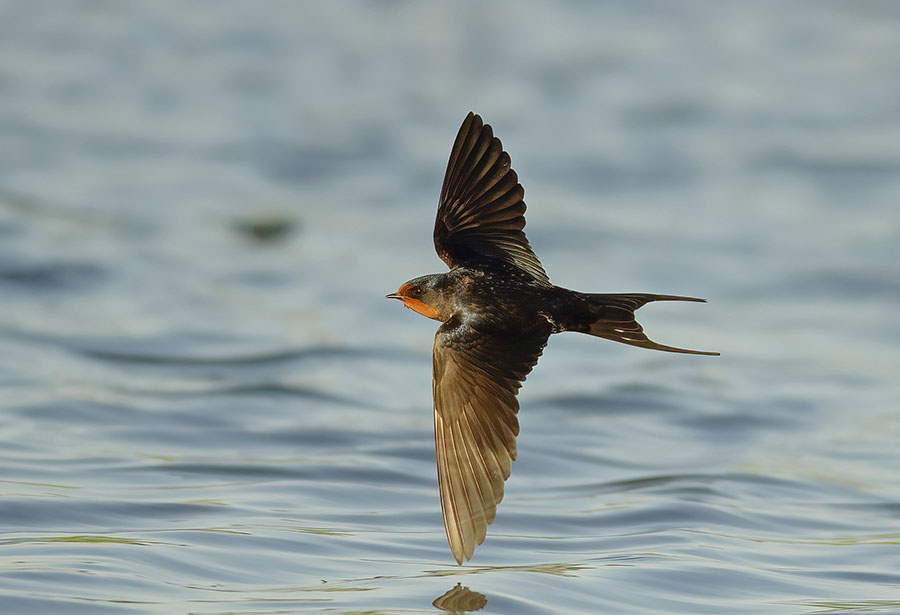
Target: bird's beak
pixel 394 296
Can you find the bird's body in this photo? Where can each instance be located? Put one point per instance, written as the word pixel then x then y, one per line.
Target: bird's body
pixel 497 308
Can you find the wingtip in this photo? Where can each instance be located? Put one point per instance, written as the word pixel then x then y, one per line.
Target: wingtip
pixel 470 118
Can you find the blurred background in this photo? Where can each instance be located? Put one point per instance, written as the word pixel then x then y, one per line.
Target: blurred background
pixel 207 406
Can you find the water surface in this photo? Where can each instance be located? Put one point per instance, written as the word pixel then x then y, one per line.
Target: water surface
pixel 206 406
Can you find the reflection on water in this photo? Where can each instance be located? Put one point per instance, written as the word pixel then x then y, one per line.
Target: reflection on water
pixel 206 406
pixel 460 599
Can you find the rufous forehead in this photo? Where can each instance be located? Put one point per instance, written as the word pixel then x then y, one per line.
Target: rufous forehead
pixel 404 289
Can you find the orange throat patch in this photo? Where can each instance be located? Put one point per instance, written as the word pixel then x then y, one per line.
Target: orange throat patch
pixel 421 308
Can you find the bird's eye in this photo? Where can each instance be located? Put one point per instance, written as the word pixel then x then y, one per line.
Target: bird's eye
pixel 415 291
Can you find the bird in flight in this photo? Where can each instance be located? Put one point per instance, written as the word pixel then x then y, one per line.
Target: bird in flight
pixel 497 308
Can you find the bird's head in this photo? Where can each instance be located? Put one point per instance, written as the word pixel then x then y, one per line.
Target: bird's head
pixel 423 295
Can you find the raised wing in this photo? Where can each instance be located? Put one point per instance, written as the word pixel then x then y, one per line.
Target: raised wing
pixel 476 378
pixel 481 212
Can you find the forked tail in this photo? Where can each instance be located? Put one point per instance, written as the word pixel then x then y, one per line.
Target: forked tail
pixel 615 320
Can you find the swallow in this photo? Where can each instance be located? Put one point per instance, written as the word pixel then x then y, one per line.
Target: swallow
pixel 497 310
